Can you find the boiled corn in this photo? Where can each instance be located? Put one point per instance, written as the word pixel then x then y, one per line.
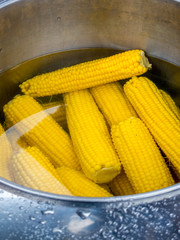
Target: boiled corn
pixel 140 156
pixel 158 117
pixel 89 74
pixel 90 136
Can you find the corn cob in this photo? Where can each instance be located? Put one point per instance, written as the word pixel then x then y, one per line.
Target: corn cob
pixel 113 102
pixel 140 156
pixel 39 129
pixel 79 185
pixel 5 155
pixel 57 111
pixel 158 117
pixel 90 136
pixel 121 185
pixel 30 173
pixel 89 74
pixel 170 102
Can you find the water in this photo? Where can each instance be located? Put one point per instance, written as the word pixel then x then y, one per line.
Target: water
pixel 47 212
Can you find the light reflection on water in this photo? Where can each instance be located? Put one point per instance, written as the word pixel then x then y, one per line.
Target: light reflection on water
pixel 78 224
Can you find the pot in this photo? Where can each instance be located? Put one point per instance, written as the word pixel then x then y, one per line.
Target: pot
pixel 39 36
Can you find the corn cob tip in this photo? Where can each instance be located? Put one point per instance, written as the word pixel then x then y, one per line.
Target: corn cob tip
pixel 14 99
pixel 144 61
pixel 136 81
pixel 105 175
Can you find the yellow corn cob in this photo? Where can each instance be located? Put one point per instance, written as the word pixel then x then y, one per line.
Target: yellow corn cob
pixel 140 156
pixel 170 102
pixel 113 102
pixel 89 74
pixel 158 117
pixel 79 185
pixel 121 185
pixel 15 139
pixel 30 173
pixel 90 136
pixel 5 155
pixel 41 130
pixel 57 111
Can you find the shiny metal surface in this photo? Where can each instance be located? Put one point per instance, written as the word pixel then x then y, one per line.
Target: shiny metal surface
pixel 28 214
pixel 33 28
pixel 29 29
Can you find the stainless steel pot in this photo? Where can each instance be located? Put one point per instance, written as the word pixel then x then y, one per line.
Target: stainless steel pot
pixel 30 29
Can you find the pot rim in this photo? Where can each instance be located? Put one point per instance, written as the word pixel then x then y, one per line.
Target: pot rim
pixel 4 3
pixel 159 194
